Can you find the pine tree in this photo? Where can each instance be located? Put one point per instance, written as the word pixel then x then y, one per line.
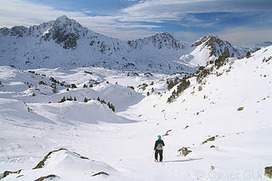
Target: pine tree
pixel 102 101
pixel 248 54
pixel 111 106
pixel 73 86
pixel 62 100
pixel 86 99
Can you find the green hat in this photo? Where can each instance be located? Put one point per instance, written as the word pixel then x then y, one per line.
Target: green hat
pixel 159 137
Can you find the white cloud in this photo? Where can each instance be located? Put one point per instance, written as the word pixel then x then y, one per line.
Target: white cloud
pixel 20 12
pixel 125 23
pixel 164 10
pixel 244 36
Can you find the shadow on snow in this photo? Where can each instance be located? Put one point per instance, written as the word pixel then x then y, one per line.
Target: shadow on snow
pixel 188 160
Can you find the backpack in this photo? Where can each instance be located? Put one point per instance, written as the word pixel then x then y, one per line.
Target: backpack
pixel 159 146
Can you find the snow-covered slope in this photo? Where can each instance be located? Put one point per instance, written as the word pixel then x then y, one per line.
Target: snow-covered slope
pixel 208 48
pixel 65 43
pixel 224 120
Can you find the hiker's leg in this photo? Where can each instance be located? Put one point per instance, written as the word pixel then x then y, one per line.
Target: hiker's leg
pixel 161 155
pixel 156 154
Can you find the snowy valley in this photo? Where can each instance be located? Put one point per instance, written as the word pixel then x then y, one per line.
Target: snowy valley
pixel 77 105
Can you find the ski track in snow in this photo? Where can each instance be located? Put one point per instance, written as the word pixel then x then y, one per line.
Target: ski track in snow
pixel 122 143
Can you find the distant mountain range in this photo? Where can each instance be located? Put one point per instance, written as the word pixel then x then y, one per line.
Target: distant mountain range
pixel 65 43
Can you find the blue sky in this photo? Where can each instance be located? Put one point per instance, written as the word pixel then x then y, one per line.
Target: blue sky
pixel 242 22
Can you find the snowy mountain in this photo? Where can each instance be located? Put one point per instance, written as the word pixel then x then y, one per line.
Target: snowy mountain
pixel 65 43
pixel 208 48
pixel 224 120
pixel 160 41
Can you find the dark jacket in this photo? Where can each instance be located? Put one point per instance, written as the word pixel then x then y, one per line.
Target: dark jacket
pixel 158 142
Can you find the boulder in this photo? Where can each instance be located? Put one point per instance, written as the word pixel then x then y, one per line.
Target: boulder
pixel 268 172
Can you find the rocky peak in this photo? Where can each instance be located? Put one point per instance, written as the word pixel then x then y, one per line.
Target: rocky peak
pixel 217 46
pixel 18 31
pixel 159 40
pixel 65 31
pixel 208 40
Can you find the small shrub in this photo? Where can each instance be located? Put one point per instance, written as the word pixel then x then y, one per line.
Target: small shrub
pixel 111 106
pixel 73 86
pixel 55 90
pixel 248 54
pixel 69 99
pixel 184 84
pixel 62 100
pixel 86 99
pixel 42 83
pixel 268 172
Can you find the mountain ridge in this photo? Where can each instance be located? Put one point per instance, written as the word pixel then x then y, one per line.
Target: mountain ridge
pixel 38 46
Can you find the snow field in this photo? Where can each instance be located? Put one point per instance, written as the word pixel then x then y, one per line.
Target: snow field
pixel 121 143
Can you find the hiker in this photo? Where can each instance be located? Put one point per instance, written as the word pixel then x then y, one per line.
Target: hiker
pixel 159 148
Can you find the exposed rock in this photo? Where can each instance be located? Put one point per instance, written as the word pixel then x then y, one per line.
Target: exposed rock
pixel 217 46
pixel 18 31
pixel 42 163
pixel 159 40
pixel 209 139
pixel 47 177
pixel 100 173
pixel 167 132
pixel 184 151
pixel 268 172
pixel 6 173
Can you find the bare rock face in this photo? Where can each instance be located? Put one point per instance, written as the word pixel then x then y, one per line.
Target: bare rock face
pixel 159 40
pixel 217 46
pixel 18 31
pixel 66 31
